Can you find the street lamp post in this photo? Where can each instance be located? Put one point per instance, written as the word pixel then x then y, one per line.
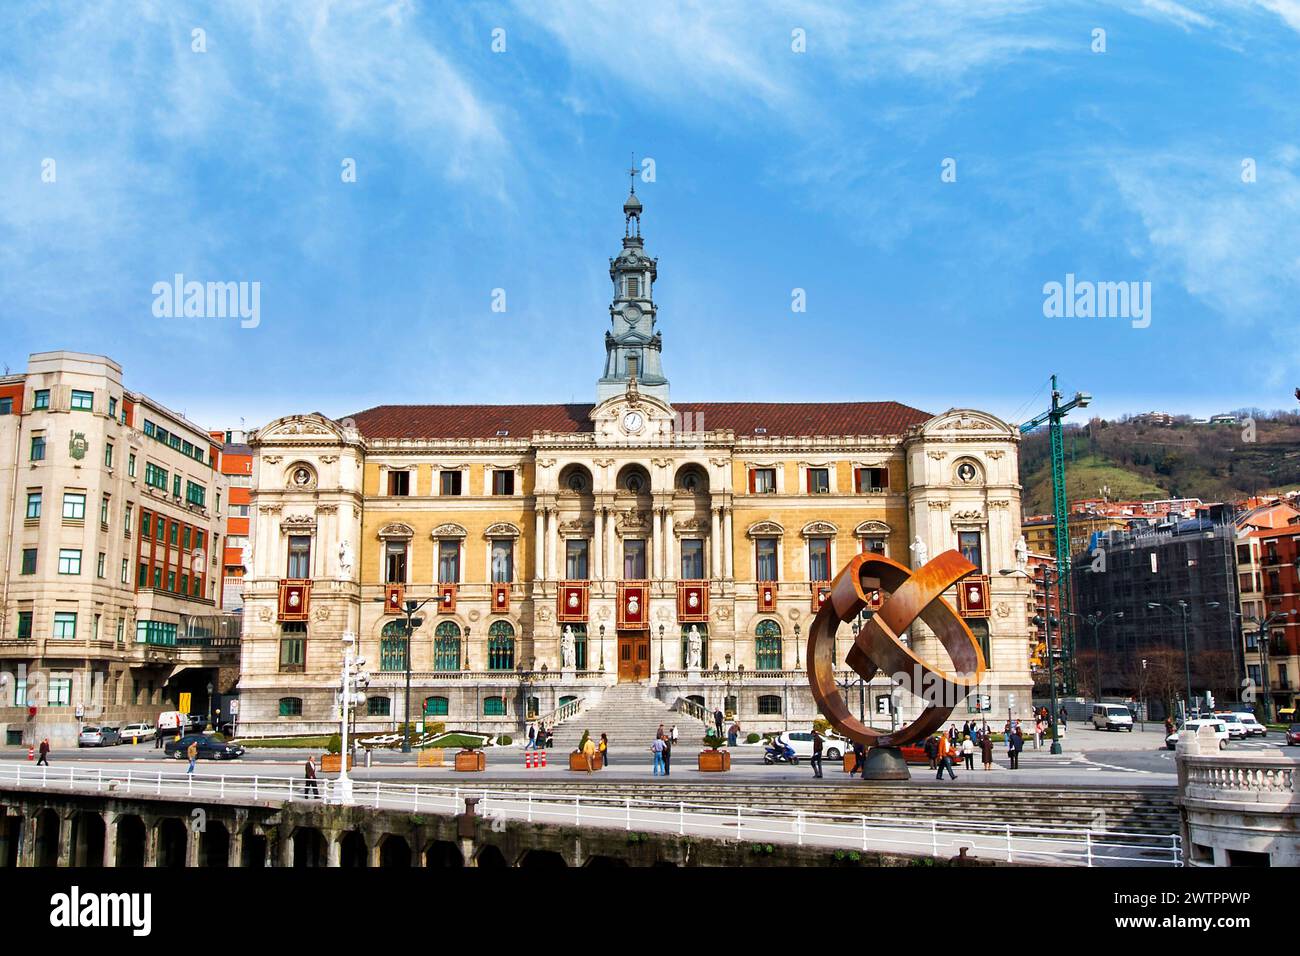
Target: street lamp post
pixel 1262 638
pixel 352 679
pixel 1097 620
pixel 1053 722
pixel 411 623
pixel 1183 606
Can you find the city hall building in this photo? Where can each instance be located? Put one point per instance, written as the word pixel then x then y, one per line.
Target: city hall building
pixel 558 550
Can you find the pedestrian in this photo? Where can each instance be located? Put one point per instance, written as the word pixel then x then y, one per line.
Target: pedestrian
pixel 657 748
pixel 45 752
pixel 673 734
pixel 986 750
pixel 1169 726
pixel 589 753
pixel 945 759
pixel 717 720
pixel 532 737
pixel 604 751
pixel 732 733
pixel 859 758
pixel 1064 717
pixel 193 753
pixel 309 788
pixel 932 751
pixel 157 739
pixel 816 760
pixel 1010 741
pixel 1018 742
pixel 550 737
pixel 1038 733
pixel 659 734
pixel 968 752
pixel 668 755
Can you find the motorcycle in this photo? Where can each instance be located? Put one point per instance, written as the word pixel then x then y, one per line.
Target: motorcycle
pixel 779 753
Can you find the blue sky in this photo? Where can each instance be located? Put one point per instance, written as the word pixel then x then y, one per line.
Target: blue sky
pixel 774 170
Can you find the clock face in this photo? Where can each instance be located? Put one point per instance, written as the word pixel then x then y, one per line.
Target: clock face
pixel 632 422
pixel 631 315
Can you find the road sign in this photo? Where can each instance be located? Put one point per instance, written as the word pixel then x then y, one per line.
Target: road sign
pixel 183 703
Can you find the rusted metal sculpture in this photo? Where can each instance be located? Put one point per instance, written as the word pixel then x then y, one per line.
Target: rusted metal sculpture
pixel 911 595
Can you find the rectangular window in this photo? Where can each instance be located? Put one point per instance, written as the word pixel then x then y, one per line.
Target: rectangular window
pixel 112 407
pixel 872 480
pixel 24 625
pixel 692 559
pixel 575 559
pixel 299 556
pixel 819 481
pixel 185 538
pixel 69 560
pixel 395 562
pixel 503 560
pixel 503 482
pixel 765 549
pixel 968 543
pixel 762 481
pixel 154 476
pixel 173 529
pixel 195 494
pixel 29 561
pixel 176 486
pixel 399 482
pixel 60 691
pixel 74 506
pixel 121 633
pixel 33 505
pixel 819 559
pixel 449 562
pixel 634 559
pixel 873 545
pixel 101 566
pixel 449 483
pixel 108 455
pixel 83 401
pixel 293 646
pixel 38 448
pixel 65 625
pixel 41 399
pixel 126 519
pixel 158 577
pixel 130 466
pixel 126 568
pixel 103 511
pixel 6 406
pixel 633 286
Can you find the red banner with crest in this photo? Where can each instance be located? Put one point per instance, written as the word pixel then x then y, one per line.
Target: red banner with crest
pixel 571 602
pixel 295 600
pixel 633 610
pixel 692 601
pixel 446 599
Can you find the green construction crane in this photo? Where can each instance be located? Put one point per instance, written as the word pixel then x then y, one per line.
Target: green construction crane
pixel 1060 510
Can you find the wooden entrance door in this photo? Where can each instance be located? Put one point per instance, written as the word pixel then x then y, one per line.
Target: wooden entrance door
pixel 633 656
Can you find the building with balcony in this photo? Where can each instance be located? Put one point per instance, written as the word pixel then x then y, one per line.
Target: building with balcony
pixel 237 466
pixel 110 524
pixel 557 550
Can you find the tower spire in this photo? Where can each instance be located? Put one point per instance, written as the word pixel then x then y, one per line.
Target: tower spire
pixel 632 208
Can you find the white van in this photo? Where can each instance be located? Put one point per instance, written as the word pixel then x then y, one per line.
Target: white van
pixel 171 723
pixel 1111 717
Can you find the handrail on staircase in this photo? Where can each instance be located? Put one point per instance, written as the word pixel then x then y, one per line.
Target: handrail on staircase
pixel 692 708
pixel 561 713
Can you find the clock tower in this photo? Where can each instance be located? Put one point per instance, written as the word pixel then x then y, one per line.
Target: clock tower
pixel 632 346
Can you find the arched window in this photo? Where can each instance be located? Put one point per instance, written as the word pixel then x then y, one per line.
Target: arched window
pixel 290 706
pixel 696 699
pixel 435 706
pixel 494 706
pixel 769 704
pixel 567 699
pixel 392 647
pixel 767 645
pixel 446 646
pixel 501 647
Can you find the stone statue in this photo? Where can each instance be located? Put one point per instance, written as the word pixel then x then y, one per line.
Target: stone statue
pixel 346 559
pixel 694 648
pixel 920 553
pixel 1022 554
pixel 246 557
pixel 567 649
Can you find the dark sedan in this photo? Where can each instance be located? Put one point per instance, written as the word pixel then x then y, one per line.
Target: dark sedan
pixel 209 748
pixel 1293 735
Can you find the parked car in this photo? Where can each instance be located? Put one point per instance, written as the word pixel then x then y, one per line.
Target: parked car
pixel 1196 723
pixel 1112 717
pixel 99 737
pixel 140 731
pixel 1293 735
pixel 833 745
pixel 209 748
pixel 1253 727
pixel 1236 726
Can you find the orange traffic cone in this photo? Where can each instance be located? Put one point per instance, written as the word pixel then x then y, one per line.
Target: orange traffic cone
pixel 31 753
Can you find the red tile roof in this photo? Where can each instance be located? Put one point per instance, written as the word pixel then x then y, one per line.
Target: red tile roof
pixel 520 421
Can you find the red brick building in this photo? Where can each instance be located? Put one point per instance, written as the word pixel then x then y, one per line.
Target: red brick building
pixel 237 465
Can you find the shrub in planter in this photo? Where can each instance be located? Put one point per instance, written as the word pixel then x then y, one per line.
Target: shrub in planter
pixel 753 739
pixel 505 740
pixel 335 744
pixel 714 760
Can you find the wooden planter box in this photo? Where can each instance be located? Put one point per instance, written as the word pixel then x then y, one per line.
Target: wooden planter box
pixel 715 761
pixel 578 762
pixel 333 763
pixel 469 760
pixel 430 757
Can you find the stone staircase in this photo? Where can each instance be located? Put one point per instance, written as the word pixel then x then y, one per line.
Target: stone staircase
pixel 630 715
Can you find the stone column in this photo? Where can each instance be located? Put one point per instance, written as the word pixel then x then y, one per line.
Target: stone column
pixel 669 572
pixel 65 840
pixel 192 837
pixel 333 848
pixel 151 841
pixel 235 854
pixel 110 839
pixel 728 558
pixel 715 544
pixel 598 544
pixel 539 564
pixel 613 569
pixel 553 571
pixel 656 537
pixel 286 850
pixel 27 852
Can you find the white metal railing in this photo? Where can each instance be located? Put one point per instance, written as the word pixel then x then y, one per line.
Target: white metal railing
pixel 1009 843
pixel 561 713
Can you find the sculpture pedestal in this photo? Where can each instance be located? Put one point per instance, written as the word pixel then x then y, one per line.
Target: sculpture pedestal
pixel 885 763
pixel 568 675
pixel 692 673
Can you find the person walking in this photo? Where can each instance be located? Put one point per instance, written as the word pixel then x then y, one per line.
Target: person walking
pixel 1065 717
pixel 968 752
pixel 44 750
pixel 532 737
pixel 672 735
pixel 157 739
pixel 1038 733
pixel 945 759
pixel 1011 750
pixel 859 759
pixel 816 760
pixel 1169 726
pixel 932 750
pixel 604 750
pixel 1018 744
pixel 986 750
pixel 659 734
pixel 589 754
pixel 550 737
pixel 657 748
pixel 668 755
pixel 717 720
pixel 193 753
pixel 309 788
pixel 732 733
